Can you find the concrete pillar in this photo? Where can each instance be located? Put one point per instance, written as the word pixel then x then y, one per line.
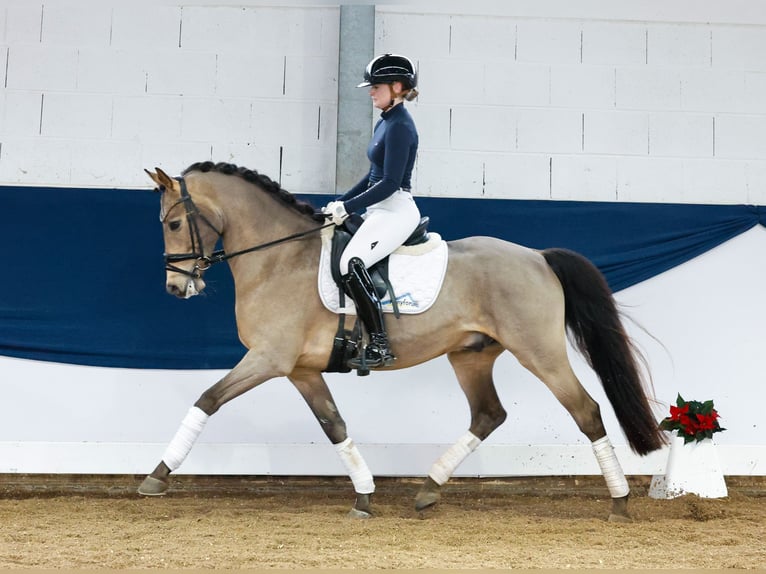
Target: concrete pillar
pixel 357 42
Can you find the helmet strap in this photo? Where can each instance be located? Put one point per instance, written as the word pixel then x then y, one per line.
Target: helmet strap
pixel 395 99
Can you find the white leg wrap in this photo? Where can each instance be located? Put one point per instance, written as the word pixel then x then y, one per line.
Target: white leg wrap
pixel 443 468
pixel 356 467
pixel 610 468
pixel 185 437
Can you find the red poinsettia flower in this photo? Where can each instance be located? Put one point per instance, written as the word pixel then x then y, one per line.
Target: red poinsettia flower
pixel 692 420
pixel 677 412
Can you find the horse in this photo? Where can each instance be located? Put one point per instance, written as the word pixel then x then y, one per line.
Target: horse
pixel 532 300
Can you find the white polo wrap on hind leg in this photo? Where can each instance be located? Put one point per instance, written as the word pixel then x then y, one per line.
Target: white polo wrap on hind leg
pixel 443 468
pixel 185 437
pixel 610 468
pixel 356 467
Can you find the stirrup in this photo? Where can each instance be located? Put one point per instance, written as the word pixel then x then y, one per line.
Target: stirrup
pixel 375 354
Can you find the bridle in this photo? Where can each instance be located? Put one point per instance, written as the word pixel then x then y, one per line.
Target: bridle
pixel 203 262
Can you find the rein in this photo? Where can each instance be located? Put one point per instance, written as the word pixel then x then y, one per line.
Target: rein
pixel 204 262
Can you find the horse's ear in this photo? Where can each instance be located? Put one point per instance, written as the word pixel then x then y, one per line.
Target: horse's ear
pixel 163 180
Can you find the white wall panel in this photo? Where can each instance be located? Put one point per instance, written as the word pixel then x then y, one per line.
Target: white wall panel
pixel 645 179
pixel 250 75
pixel 418 35
pixel 512 84
pixel 712 90
pixel 615 43
pixel 112 71
pixel 216 119
pixel 23 22
pixel 307 167
pixel 38 67
pixel 144 117
pixel 31 161
pixel 584 178
pixel 534 71
pixel 755 182
pixel 450 173
pixel 70 115
pixel 739 48
pixel 549 130
pixel 483 128
pixel 181 73
pixel 618 132
pixel 704 180
pixel 317 76
pixel 521 176
pixel 21 118
pixel 106 163
pixel 138 25
pixel 754 97
pixel 549 41
pixel 437 79
pixel 648 88
pixel 678 45
pixel 681 135
pixel 62 23
pixel 583 87
pixel 482 39
pixel 740 136
pixel 433 122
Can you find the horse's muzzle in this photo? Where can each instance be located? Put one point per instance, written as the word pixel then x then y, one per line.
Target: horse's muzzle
pixel 184 287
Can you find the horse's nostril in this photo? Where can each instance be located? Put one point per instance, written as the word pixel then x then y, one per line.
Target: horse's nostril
pixel 173 289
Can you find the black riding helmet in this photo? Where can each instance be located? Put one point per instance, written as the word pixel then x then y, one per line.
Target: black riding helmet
pixel 390 68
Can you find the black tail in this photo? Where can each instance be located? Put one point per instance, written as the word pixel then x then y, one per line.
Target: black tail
pixel 597 332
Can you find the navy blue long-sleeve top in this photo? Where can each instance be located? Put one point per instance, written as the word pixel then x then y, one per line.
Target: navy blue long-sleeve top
pixel 391 152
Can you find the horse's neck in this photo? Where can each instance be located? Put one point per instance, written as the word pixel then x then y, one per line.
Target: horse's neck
pixel 254 219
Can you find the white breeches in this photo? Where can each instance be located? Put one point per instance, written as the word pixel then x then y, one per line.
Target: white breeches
pixel 386 226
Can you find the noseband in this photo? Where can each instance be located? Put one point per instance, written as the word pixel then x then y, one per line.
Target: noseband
pixel 203 262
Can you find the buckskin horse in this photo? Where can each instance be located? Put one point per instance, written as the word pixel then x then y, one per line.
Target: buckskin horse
pixel 530 301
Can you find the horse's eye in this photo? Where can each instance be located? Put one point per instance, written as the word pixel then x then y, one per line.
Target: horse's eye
pixel 174 225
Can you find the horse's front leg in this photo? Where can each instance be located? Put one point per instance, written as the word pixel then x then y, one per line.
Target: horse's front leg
pixel 249 373
pixel 314 390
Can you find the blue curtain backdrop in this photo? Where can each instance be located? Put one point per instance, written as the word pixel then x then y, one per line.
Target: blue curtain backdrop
pixel 83 278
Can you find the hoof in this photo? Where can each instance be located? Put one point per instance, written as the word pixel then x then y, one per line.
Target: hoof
pixel 356 513
pixel 621 518
pixel 153 487
pixel 426 500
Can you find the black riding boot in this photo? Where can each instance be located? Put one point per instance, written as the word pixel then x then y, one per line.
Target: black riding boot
pixel 359 286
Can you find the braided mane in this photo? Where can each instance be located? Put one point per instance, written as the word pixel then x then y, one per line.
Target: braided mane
pixel 263 181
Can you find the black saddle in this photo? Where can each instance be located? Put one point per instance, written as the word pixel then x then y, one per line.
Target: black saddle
pixel 379 271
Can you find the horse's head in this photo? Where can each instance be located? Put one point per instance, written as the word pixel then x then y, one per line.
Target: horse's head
pixel 191 230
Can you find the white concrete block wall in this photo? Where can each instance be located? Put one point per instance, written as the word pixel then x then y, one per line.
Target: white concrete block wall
pixel 94 92
pixel 520 97
pixel 630 108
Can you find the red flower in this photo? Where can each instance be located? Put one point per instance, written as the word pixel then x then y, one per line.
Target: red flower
pixel 676 413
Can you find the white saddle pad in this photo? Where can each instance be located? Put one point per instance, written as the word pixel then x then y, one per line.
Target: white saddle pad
pixel 416 273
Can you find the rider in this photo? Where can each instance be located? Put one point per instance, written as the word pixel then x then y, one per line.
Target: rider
pixel 385 192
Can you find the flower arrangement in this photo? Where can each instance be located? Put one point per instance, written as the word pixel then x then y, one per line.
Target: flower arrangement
pixel 692 420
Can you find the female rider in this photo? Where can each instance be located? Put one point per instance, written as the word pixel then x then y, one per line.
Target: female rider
pixel 385 192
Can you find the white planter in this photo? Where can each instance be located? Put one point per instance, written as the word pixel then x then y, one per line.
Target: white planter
pixel 692 468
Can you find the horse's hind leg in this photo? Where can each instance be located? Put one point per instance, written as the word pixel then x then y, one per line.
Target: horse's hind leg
pixel 473 368
pixel 314 390
pixel 564 384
